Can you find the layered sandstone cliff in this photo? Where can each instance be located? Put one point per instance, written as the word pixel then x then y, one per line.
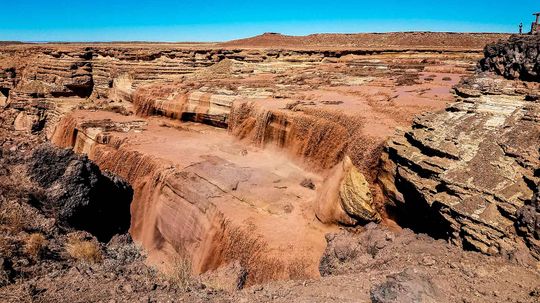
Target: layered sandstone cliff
pixel 303 139
pixel 467 173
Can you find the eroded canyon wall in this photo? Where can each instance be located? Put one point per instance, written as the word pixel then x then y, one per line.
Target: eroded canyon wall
pixel 221 198
pixel 466 173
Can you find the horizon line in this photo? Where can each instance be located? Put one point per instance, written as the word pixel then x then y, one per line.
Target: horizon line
pixel 264 33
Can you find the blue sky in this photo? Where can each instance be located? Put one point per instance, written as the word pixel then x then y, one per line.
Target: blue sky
pixel 189 20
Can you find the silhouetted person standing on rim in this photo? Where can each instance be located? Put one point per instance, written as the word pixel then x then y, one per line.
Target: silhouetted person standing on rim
pixel 521 28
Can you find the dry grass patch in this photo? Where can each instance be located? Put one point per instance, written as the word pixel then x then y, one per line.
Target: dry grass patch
pixel 251 251
pixel 84 250
pixel 12 218
pixel 181 272
pixel 298 269
pixel 34 245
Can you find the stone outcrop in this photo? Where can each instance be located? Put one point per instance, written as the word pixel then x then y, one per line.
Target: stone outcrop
pixel 345 197
pixel 408 286
pixel 516 58
pixel 78 194
pixel 464 173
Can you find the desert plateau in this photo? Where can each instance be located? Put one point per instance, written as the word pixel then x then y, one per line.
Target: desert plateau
pixel 388 167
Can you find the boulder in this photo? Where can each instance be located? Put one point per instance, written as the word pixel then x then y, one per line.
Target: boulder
pixel 516 58
pixel 78 194
pixel 345 197
pixel 408 286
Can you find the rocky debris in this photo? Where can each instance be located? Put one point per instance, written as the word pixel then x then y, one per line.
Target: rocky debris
pixel 78 193
pixel 231 277
pixel 308 183
pixel 377 263
pixel 463 174
pixel 516 58
pixel 408 286
pixel 347 251
pixel 345 197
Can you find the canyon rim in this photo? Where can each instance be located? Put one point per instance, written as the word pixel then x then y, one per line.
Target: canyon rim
pixel 389 167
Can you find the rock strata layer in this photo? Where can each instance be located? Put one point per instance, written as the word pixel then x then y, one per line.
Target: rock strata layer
pixel 466 172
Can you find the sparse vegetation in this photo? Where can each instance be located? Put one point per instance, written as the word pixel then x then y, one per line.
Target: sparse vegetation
pixel 84 250
pixel 11 218
pixel 249 249
pixel 34 245
pixel 181 271
pixel 298 269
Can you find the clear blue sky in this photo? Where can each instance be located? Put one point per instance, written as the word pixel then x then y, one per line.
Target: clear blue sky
pixel 210 20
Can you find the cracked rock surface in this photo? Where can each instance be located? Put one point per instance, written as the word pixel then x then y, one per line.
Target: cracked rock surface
pixel 464 173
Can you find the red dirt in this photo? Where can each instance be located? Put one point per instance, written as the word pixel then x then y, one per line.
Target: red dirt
pixel 370 41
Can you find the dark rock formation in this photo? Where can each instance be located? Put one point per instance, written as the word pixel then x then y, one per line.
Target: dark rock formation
pixel 516 58
pixel 78 194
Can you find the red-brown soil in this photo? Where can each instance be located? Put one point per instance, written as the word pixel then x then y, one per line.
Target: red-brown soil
pixel 370 41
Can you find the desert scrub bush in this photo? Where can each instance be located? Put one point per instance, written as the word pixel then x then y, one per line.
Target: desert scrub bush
pixel 8 246
pixel 83 250
pixel 250 250
pixel 298 269
pixel 181 273
pixel 34 245
pixel 11 218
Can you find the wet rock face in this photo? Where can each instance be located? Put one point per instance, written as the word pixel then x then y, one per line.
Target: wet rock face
pixel 465 174
pixel 516 58
pixel 78 194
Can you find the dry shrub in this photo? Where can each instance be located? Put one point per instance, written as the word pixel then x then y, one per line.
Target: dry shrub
pixel 181 273
pixel 12 218
pixel 250 250
pixel 84 250
pixel 7 246
pixel 298 269
pixel 34 245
